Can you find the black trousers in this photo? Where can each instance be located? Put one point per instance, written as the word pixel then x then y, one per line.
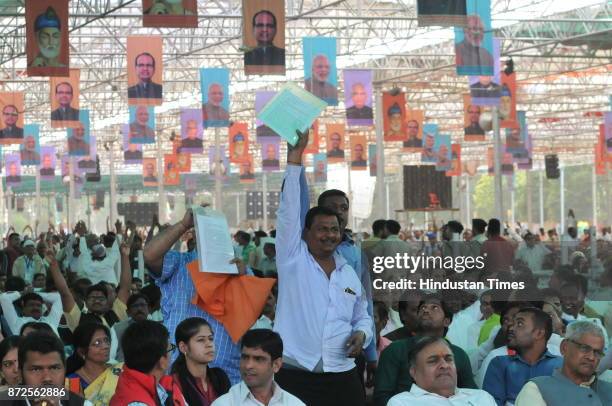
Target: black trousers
pixel 324 389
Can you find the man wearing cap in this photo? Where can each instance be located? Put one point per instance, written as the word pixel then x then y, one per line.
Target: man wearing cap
pixel 47 28
pixel 238 141
pixel 9 119
pixel 29 264
pixel 505 103
pixel 394 115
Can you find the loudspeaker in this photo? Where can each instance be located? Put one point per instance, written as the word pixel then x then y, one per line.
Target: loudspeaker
pixel 552 166
pixel 424 187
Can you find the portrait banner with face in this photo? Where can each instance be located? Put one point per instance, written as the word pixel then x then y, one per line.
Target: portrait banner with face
pixel 372 159
pixel 48 162
pixel 358 97
pixel 239 142
pixel 359 152
pixel 183 162
pixel 442 149
pixel 218 162
pixel 608 131
pixel 516 137
pixel 486 90
pixel 64 96
pixel 79 136
pixel 394 116
pixel 141 128
pixel 171 172
pixel 474 43
pixel 149 172
pixel 606 156
pixel 132 153
pixel 262 131
pixel 192 132
pixel 88 163
pixel 313 139
pixel 507 101
pixel 430 136
pixel 170 13
pixel 270 153
pixel 47 49
pixel 455 169
pixel 145 70
pixel 471 120
pixel 414 128
pixel 247 174
pixel 320 167
pixel 29 151
pixel 214 85
pixel 320 76
pixel 11 120
pixel 335 142
pixel 263 37
pixel 442 13
pixel 12 164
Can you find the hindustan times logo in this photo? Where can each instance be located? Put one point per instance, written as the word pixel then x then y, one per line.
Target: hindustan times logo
pixel 412 263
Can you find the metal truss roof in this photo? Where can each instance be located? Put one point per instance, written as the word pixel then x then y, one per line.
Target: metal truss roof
pixel 563 60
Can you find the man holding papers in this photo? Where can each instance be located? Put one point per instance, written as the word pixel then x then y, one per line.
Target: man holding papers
pixel 322 310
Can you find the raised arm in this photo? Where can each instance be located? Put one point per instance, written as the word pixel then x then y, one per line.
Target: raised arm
pixel 288 223
pixel 68 301
pixel 10 314
pixel 155 249
pixel 125 280
pixel 55 314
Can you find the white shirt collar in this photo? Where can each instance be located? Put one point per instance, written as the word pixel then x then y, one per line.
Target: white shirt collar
pixel 245 393
pixel 417 391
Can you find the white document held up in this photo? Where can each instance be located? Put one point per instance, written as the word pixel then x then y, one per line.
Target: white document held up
pixel 215 250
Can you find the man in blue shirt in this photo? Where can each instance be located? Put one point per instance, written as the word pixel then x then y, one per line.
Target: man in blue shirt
pixel 527 335
pixel 168 269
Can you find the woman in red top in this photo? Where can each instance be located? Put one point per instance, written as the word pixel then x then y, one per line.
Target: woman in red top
pixel 199 383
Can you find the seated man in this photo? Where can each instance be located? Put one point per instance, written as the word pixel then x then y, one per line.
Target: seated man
pixel 147 357
pixel 393 374
pixel 31 309
pixel 42 363
pixel 576 382
pixel 528 336
pixel 261 358
pixel 432 367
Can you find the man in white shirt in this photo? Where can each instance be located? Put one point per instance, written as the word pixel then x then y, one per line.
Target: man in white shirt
pixel 31 309
pixel 533 253
pixel 433 370
pixel 322 308
pixel 261 357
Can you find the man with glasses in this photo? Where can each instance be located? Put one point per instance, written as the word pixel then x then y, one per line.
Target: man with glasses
pixel 137 310
pixel 43 364
pixel 264 31
pixel 576 381
pixel 143 380
pixel 63 96
pixel 145 88
pixel 413 135
pixel 9 119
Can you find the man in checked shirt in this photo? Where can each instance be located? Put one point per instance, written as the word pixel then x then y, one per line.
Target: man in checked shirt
pixel 322 308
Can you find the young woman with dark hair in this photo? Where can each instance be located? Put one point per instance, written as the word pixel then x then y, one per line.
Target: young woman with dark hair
pixel 200 384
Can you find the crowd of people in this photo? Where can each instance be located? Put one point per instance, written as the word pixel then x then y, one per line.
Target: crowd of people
pixel 74 314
